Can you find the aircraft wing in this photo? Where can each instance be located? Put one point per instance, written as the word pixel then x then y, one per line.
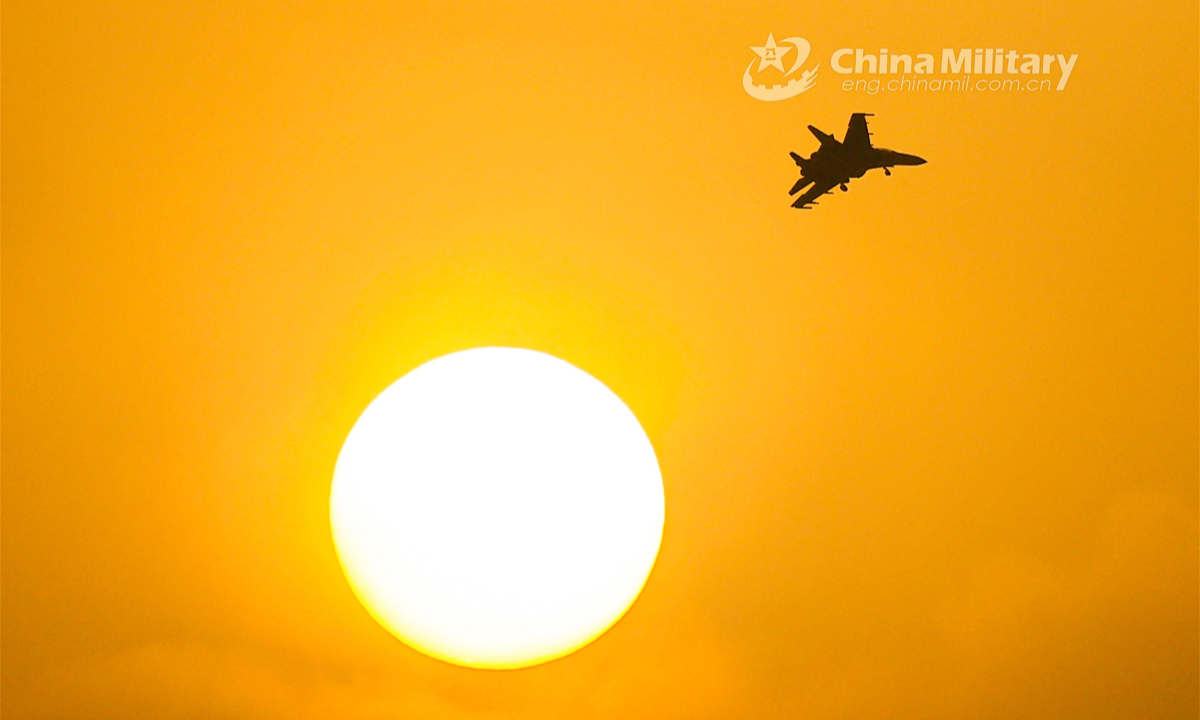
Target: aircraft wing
pixel 857 135
pixel 817 190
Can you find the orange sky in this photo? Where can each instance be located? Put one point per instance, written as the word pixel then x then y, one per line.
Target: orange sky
pixel 930 450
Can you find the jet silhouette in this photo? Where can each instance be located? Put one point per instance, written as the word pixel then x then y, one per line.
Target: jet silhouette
pixel 834 163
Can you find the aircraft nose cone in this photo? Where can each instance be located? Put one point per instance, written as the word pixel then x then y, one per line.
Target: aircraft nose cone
pixel 920 161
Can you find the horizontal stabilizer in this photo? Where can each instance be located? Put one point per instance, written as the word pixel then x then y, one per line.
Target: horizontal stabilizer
pixel 800 185
pixel 799 160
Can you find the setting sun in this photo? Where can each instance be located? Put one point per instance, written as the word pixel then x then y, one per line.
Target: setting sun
pixel 497 508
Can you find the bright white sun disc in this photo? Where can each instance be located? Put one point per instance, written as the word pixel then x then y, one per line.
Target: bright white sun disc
pixel 497 508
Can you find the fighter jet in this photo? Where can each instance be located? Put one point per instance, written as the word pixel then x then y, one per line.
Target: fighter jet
pixel 834 163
